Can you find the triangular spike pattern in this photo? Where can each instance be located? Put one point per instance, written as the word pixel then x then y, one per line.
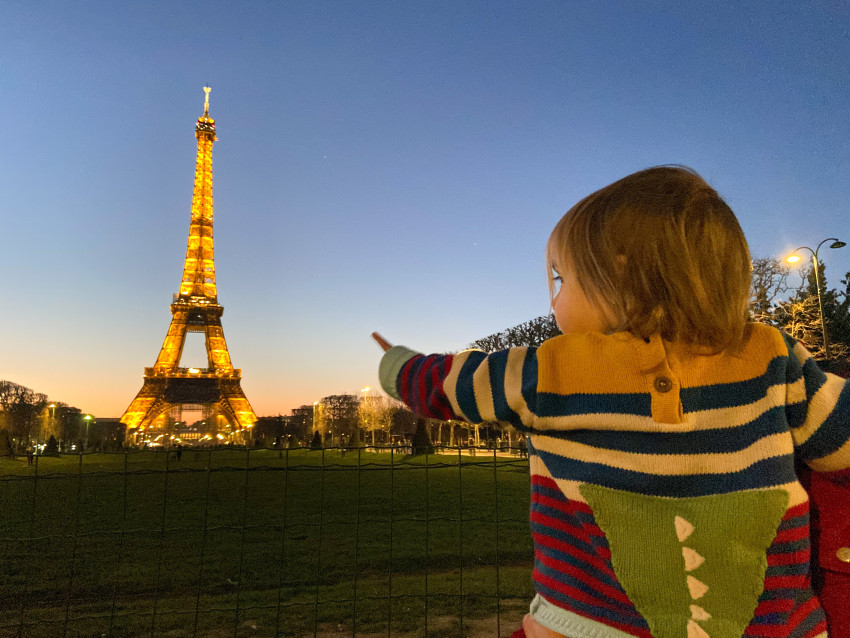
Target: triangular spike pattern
pixel 195 309
pixel 695 631
pixel 683 528
pixel 696 587
pixel 692 559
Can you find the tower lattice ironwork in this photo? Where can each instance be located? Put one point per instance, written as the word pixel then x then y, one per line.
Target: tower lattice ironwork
pixel 217 388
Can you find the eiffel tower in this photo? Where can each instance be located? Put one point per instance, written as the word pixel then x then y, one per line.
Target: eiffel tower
pixel 215 390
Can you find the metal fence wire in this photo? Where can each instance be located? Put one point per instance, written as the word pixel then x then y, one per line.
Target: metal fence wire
pixel 264 542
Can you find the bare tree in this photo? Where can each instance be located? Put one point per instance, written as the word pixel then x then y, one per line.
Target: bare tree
pixel 302 421
pixel 376 415
pixel 339 415
pixel 23 408
pixel 770 286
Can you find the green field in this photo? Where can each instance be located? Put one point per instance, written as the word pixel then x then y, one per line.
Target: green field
pixel 260 543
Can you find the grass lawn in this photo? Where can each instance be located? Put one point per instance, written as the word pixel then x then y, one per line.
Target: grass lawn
pixel 261 543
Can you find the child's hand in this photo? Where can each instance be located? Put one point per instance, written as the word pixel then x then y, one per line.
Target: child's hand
pixel 386 345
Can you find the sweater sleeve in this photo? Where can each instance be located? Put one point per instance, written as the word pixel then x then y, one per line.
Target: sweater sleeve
pixel 818 411
pixel 471 385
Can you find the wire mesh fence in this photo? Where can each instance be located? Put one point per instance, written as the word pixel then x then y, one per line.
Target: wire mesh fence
pixel 260 542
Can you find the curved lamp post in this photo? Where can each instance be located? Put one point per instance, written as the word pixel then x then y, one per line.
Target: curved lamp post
pixel 794 258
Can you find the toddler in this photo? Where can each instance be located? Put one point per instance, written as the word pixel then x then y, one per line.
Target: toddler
pixel 663 427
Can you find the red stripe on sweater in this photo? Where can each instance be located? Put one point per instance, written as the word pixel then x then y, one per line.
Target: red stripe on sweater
pixel 775 606
pixel 564 506
pixel 784 582
pixel 800 557
pixel 564 525
pixel 791 535
pixel 569 515
pixel 581 575
pixel 440 402
pixel 404 380
pixel 600 556
pixel 767 631
pixel 421 386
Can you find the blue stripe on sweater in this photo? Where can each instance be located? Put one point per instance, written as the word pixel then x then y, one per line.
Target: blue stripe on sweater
pixel 465 391
pixel 814 377
pixel 790 344
pixel 789 547
pixel 701 441
pixel 792 569
pixel 793 523
pixel 529 380
pixel 833 433
pixel 550 404
pixel 795 413
pixel 773 618
pixel 765 473
pixel 498 362
pixel 735 394
pixel 778 593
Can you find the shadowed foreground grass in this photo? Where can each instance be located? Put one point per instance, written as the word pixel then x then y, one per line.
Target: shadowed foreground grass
pixel 261 543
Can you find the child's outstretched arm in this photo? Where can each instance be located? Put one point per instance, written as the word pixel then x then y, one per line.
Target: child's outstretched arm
pixel 470 386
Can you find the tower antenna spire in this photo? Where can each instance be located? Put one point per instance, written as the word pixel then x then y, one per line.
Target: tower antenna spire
pixel 207 101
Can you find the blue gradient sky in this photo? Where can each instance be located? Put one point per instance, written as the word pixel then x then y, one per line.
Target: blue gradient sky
pixel 391 166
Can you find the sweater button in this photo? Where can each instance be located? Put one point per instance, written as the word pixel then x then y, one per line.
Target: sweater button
pixel 663 384
pixel 843 554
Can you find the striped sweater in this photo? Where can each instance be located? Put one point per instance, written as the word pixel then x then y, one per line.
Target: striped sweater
pixel 665 501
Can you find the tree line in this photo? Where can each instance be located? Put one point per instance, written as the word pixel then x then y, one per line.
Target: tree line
pixel 28 416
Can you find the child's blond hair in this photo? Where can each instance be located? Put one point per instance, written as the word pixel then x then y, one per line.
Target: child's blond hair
pixel 659 252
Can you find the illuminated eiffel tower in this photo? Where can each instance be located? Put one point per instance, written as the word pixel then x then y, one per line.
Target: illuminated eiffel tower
pixel 214 391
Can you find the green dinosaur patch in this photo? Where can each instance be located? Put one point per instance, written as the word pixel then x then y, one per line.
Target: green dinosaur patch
pixel 712 578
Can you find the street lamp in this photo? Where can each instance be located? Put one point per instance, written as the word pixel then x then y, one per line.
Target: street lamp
pixel 794 258
pixel 88 419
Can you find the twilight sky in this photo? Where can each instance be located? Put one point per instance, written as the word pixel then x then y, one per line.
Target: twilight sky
pixel 391 166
